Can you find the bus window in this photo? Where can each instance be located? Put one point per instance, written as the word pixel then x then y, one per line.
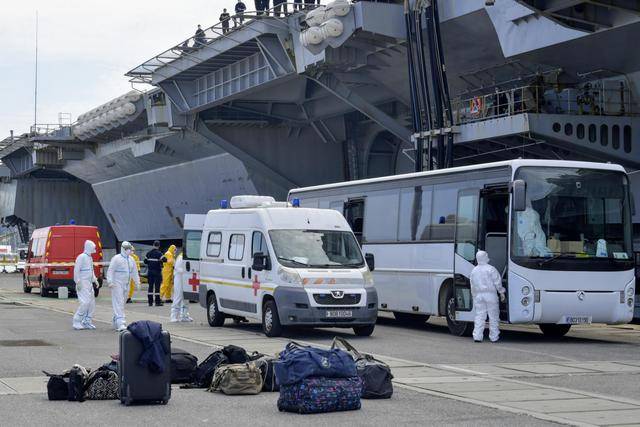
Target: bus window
pixel 443 216
pixel 381 218
pixel 415 214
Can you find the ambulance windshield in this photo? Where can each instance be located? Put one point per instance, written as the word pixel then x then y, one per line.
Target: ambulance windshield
pixel 316 249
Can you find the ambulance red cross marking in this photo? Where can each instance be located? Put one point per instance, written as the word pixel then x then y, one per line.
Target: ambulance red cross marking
pixel 194 282
pixel 255 285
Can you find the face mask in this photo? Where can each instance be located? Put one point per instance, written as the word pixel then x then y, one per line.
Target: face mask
pixel 127 252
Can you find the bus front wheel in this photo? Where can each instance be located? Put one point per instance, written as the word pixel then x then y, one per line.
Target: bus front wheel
pixel 457 328
pixel 552 330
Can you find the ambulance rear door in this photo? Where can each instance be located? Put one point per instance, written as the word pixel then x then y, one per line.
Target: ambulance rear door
pixel 193 225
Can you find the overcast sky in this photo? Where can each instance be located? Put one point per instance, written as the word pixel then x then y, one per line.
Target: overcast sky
pixel 85 47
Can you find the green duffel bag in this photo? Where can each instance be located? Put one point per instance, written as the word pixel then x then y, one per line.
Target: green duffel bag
pixel 241 378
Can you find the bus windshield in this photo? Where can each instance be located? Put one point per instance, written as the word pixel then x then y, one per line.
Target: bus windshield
pixel 316 249
pixel 575 219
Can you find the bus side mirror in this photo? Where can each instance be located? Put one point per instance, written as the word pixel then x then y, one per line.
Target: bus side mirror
pixel 371 261
pixel 261 262
pixel 519 193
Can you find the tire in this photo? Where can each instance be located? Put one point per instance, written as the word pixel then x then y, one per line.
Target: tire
pixel 552 330
pixel 25 285
pixel 364 331
pixel 459 329
pixel 214 316
pixel 271 325
pixel 410 318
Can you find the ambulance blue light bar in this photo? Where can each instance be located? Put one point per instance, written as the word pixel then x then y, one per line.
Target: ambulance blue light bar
pixel 295 203
pixel 224 204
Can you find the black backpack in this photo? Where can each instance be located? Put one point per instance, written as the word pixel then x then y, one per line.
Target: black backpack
pixel 183 366
pixel 235 354
pixel 76 385
pixel 57 386
pixel 205 370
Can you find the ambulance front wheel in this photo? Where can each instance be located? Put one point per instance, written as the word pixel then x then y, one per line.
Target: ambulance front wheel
pixel 214 316
pixel 364 331
pixel 271 320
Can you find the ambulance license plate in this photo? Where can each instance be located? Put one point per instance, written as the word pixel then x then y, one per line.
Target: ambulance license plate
pixel 341 314
pixel 576 320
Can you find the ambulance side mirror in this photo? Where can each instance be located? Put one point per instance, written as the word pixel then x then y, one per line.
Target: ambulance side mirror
pixel 261 262
pixel 519 194
pixel 371 261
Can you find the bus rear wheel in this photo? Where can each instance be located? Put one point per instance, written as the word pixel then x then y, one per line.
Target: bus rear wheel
pixel 457 328
pixel 410 318
pixel 552 330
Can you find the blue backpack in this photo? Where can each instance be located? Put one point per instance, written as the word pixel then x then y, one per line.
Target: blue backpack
pixel 298 362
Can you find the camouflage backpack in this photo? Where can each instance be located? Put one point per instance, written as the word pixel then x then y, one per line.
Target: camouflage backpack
pixel 241 378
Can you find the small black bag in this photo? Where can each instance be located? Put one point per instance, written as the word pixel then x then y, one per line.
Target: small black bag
pixel 57 386
pixel 205 370
pixel 183 366
pixel 375 375
pixel 77 378
pixel 265 364
pixel 235 354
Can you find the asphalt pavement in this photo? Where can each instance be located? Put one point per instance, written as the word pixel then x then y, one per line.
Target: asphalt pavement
pixel 589 377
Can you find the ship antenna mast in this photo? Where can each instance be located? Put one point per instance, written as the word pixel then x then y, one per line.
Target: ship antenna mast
pixel 35 91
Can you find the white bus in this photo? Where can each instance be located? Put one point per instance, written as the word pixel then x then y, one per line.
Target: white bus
pixel 559 231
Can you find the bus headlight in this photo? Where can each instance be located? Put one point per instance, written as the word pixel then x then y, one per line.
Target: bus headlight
pixel 630 291
pixel 289 276
pixel 525 290
pixel 525 301
pixel 368 278
pixel 630 302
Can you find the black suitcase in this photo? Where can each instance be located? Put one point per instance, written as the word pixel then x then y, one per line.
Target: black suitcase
pixel 137 383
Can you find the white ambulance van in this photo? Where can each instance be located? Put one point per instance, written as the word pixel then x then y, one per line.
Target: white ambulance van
pixel 284 266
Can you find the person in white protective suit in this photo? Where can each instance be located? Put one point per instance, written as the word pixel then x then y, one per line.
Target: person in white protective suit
pixel 122 269
pixel 486 284
pixel 179 307
pixel 84 276
pixel 534 240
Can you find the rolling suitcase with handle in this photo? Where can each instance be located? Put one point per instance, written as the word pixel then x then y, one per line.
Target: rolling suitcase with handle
pixel 138 384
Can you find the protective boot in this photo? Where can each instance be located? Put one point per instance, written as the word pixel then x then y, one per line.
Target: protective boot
pixel 159 302
pixel 150 298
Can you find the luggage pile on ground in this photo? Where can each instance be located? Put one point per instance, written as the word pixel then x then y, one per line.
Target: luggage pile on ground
pixel 309 379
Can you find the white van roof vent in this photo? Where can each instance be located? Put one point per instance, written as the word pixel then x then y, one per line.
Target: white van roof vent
pixel 244 202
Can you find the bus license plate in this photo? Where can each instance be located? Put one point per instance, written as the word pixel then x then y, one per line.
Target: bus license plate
pixel 59 272
pixel 577 320
pixel 339 313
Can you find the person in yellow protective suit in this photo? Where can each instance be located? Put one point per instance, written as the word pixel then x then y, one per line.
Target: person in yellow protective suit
pixel 132 285
pixel 168 261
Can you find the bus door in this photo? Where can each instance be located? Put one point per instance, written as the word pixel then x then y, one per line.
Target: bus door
pixel 354 214
pixel 466 244
pixel 493 233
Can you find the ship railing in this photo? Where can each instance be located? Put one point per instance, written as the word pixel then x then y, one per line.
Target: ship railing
pixel 44 129
pixel 601 98
pixel 275 16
